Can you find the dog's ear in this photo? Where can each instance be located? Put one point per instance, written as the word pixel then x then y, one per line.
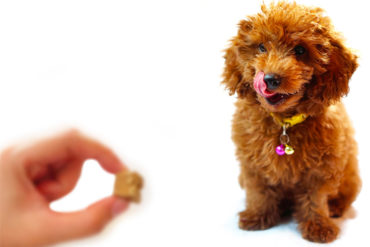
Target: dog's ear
pixel 333 84
pixel 233 71
pixel 232 76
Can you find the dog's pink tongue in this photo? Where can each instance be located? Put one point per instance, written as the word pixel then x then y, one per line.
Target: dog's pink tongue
pixel 260 85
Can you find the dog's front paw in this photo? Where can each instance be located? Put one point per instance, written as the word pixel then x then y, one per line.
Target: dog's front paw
pixel 321 230
pixel 254 221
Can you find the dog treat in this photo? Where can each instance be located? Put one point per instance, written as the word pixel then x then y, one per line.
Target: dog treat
pixel 128 185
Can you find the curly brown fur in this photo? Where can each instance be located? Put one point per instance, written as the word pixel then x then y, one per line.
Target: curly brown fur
pixel 320 180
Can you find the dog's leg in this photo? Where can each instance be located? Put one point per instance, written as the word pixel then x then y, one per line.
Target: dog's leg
pixel 348 190
pixel 262 207
pixel 312 215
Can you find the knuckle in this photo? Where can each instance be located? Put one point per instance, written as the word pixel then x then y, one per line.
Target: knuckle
pixel 72 133
pixel 72 137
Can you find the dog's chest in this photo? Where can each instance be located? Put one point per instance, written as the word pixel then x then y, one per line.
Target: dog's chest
pixel 257 142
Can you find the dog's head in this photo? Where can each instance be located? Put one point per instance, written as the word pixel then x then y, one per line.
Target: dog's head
pixel 288 56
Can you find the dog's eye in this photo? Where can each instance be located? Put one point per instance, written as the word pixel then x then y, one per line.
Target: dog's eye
pixel 299 50
pixel 261 48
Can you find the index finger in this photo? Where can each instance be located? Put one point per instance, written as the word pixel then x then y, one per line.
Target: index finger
pixel 71 145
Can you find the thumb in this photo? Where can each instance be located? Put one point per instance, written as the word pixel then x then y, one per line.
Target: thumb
pixel 86 222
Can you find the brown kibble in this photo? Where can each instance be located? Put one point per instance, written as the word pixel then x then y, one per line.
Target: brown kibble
pixel 128 185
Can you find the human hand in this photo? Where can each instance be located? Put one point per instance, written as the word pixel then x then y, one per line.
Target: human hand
pixel 34 175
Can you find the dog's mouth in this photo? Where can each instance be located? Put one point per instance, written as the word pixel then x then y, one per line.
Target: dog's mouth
pixel 273 98
pixel 277 98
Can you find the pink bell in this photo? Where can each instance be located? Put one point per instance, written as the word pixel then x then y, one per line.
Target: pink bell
pixel 280 150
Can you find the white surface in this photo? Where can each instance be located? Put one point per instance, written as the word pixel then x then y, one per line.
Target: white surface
pixel 143 76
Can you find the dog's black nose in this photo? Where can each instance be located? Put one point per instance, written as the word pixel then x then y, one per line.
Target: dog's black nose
pixel 272 81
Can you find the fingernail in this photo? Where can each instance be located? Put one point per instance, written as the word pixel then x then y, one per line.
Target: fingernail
pixel 119 206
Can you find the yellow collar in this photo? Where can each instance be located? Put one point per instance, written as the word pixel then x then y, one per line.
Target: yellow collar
pixel 291 121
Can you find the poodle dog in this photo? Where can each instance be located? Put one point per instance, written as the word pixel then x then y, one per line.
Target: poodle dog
pixel 294 139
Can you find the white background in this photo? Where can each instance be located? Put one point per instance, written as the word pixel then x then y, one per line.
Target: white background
pixel 144 77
